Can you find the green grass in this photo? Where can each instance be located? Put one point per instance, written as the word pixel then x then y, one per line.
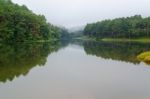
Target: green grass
pixel 141 40
pixel 39 41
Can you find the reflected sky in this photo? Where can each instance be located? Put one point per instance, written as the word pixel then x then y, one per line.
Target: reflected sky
pixel 72 74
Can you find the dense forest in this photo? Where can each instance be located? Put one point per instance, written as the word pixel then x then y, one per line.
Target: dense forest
pixel 18 23
pixel 126 27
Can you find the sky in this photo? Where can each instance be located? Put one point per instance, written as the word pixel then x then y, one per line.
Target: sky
pixel 75 13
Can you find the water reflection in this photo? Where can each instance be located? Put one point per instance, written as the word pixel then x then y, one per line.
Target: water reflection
pixel 19 59
pixel 126 52
pixel 73 72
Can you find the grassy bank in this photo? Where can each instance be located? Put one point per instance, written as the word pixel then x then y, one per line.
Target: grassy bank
pixel 29 41
pixel 40 41
pixel 142 40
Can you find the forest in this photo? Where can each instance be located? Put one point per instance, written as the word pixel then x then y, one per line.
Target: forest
pixel 126 27
pixel 19 24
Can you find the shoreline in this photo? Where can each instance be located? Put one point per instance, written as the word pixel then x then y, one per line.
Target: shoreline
pixel 139 40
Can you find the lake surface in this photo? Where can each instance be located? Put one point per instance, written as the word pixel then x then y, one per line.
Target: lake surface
pixel 74 70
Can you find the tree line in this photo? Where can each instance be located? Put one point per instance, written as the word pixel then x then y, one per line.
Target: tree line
pixel 126 27
pixel 18 23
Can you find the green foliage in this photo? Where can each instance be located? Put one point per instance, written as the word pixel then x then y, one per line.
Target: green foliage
pixel 129 27
pixel 18 23
pixel 145 56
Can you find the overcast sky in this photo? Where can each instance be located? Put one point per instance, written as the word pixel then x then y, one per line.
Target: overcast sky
pixel 72 13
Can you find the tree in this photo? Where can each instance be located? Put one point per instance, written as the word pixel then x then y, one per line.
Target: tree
pixel 18 23
pixel 129 27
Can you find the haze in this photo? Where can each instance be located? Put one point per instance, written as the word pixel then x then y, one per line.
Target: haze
pixel 74 13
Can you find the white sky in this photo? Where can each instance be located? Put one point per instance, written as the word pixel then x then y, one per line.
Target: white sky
pixel 72 13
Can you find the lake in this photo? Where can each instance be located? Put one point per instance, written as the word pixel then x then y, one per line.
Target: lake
pixel 74 70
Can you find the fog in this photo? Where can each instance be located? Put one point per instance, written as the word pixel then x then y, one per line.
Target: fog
pixel 74 13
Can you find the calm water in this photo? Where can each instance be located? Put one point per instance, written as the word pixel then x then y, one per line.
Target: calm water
pixel 76 70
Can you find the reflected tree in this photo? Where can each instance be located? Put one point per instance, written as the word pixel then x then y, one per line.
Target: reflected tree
pixel 18 59
pixel 126 52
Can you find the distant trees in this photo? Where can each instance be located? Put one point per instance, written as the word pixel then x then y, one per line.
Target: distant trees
pixel 129 27
pixel 64 34
pixel 18 23
pixel 76 34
